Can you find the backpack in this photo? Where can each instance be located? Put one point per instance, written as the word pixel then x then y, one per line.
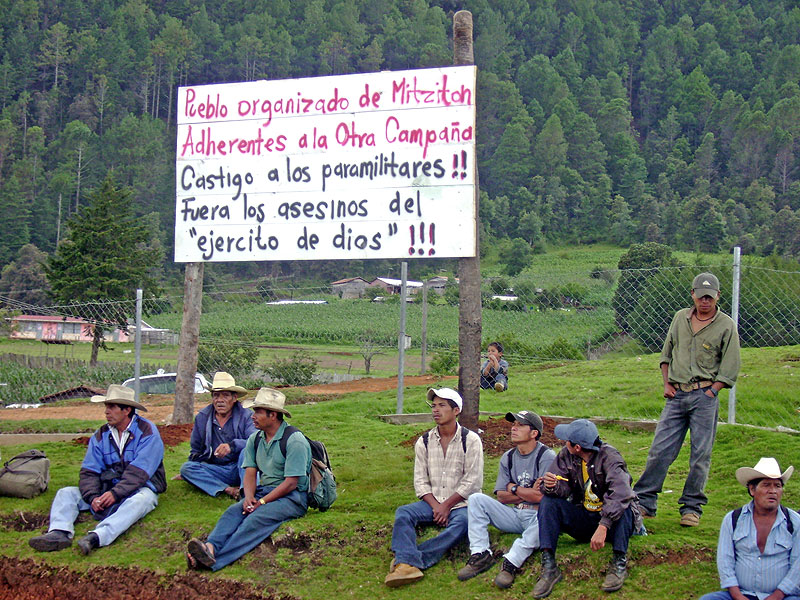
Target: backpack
pixel 26 475
pixel 321 481
pixel 737 513
pixel 464 434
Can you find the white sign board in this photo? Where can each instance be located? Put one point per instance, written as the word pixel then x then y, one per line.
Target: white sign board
pixel 378 165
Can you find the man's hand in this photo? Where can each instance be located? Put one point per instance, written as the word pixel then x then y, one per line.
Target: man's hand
pixel 669 390
pixel 599 537
pixel 222 451
pixel 550 480
pixel 441 514
pixel 776 595
pixel 103 501
pixel 250 504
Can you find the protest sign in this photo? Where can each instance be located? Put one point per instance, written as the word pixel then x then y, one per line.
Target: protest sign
pixel 378 165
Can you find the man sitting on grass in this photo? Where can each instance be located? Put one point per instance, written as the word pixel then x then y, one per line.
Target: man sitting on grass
pixel 448 468
pixel 758 555
pixel 281 495
pixel 518 497
pixel 120 478
pixel 587 494
pixel 219 435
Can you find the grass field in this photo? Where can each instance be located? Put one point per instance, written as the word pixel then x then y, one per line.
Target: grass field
pixel 345 551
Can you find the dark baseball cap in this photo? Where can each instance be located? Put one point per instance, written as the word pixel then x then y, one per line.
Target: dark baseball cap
pixel 705 284
pixel 526 417
pixel 581 431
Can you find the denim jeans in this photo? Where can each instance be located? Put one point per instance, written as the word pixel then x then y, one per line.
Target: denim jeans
pixel 211 478
pixel 484 510
pixel 236 534
pixel 488 382
pixel 725 595
pixel 429 552
pixel 557 515
pixel 68 503
pixel 693 411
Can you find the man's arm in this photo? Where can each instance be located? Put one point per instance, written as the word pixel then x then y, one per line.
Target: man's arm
pixel 669 389
pixel 89 483
pixel 197 449
pixel 422 479
pixel 148 455
pixel 790 584
pixel 730 361
pixel 472 477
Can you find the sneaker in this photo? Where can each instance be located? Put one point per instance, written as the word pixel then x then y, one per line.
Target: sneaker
pixel 402 574
pixel 617 572
pixel 550 576
pixel 506 575
pixel 499 387
pixel 51 541
pixel 477 563
pixel 88 543
pixel 690 519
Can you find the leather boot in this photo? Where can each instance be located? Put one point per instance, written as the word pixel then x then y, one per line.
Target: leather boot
pixel 617 572
pixel 550 576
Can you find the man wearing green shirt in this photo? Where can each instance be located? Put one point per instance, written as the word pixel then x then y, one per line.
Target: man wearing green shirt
pixel 700 357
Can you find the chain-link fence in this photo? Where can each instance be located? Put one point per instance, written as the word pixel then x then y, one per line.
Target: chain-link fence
pixel 268 332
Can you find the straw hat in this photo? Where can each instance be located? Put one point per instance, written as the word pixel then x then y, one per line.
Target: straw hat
pixel 767 467
pixel 268 399
pixel 224 382
pixel 119 394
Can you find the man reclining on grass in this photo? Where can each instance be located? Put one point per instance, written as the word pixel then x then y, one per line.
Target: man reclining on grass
pixel 219 435
pixel 281 495
pixel 120 478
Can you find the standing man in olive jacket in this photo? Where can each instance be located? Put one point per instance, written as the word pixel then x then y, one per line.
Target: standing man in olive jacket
pixel 700 357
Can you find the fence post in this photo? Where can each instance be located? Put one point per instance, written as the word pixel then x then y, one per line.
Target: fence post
pixel 401 338
pixel 737 274
pixel 424 338
pixel 137 361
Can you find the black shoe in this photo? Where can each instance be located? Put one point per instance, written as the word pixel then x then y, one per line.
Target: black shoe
pixel 550 576
pixel 51 541
pixel 88 543
pixel 617 572
pixel 477 563
pixel 506 575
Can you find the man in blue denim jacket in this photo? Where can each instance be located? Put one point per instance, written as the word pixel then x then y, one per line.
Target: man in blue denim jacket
pixel 120 478
pixel 219 435
pixel 758 555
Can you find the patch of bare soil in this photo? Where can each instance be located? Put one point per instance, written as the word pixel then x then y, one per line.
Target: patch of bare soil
pixel 28 580
pixel 376 384
pixel 496 435
pixel 171 435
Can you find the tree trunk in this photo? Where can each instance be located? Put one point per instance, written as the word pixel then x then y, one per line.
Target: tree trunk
pixel 183 411
pixel 97 339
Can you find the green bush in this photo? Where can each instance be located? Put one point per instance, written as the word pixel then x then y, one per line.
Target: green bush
pixel 299 369
pixel 444 363
pixel 560 349
pixel 236 359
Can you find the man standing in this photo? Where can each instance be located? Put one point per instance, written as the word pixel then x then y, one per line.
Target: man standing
pixel 518 497
pixel 758 555
pixel 700 357
pixel 587 494
pixel 281 495
pixel 121 475
pixel 219 435
pixel 448 468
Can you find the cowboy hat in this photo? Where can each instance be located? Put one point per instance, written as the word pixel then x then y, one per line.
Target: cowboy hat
pixel 119 394
pixel 767 468
pixel 224 382
pixel 268 399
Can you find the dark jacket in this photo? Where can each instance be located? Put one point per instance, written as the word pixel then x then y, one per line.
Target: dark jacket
pixel 609 476
pixel 201 445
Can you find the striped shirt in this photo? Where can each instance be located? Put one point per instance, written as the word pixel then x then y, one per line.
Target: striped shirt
pixel 459 472
pixel 755 573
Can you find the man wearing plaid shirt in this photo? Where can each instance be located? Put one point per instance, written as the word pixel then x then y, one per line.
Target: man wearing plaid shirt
pixel 448 468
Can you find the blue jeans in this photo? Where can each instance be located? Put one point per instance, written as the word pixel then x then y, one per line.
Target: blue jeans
pixel 557 515
pixel 725 595
pixel 211 478
pixel 484 510
pixel 236 534
pixel 429 552
pixel 68 503
pixel 693 411
pixel 488 382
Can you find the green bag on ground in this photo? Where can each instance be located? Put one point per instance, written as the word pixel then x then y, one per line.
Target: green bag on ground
pixel 26 475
